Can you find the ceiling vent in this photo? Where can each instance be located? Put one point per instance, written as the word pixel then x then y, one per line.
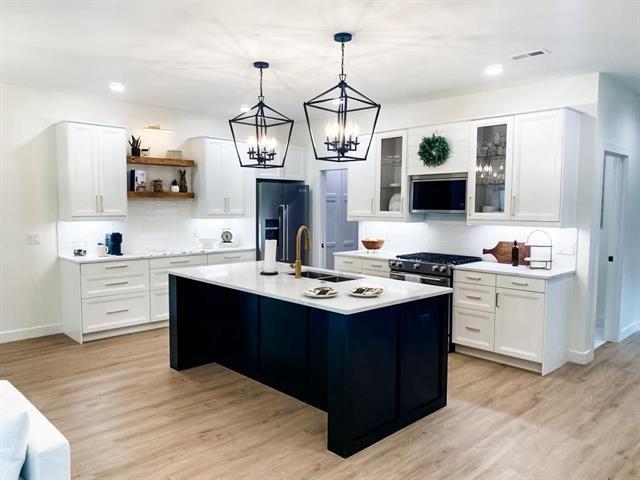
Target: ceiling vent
pixel 532 53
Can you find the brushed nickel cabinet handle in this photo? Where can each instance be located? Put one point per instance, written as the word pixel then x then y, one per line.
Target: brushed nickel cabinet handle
pixel 375 265
pixel 97 205
pixel 113 284
pixel 497 298
pixel 469 206
pixel 111 267
pixel 233 258
pixel 469 277
pixel 372 205
pixel 118 311
pixel 179 261
pixel 348 262
pixel 520 284
pixel 474 297
pixel 472 329
pixel 101 204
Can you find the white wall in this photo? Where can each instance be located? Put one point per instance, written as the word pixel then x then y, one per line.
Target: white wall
pixel 29 281
pixel 619 128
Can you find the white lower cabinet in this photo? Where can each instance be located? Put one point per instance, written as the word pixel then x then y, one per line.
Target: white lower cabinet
pixel 114 297
pixel 374 267
pixel 512 319
pixel 519 324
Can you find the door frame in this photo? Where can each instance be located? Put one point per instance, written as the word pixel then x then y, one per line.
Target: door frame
pixel 612 325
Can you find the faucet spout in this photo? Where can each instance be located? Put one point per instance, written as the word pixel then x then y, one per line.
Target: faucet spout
pixel 307 246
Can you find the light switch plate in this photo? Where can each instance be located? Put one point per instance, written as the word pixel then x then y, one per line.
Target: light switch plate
pixel 33 238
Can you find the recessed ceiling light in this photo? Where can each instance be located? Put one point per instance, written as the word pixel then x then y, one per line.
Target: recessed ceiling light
pixel 244 108
pixel 494 69
pixel 116 87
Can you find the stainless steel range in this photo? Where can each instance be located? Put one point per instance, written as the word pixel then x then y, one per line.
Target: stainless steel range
pixel 429 268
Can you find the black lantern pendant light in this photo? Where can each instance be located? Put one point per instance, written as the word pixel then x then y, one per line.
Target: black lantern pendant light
pixel 261 135
pixel 334 116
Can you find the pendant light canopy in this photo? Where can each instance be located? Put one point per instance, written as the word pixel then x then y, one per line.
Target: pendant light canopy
pixel 261 135
pixel 337 117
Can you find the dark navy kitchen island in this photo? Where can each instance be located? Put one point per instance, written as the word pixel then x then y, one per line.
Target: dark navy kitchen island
pixel 373 367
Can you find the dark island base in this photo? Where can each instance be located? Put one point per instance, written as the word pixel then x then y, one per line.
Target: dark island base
pixel 373 373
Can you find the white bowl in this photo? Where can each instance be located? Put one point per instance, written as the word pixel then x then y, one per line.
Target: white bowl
pixel 206 243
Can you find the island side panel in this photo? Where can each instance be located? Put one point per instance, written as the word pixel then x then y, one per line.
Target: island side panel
pixel 386 369
pixel 191 328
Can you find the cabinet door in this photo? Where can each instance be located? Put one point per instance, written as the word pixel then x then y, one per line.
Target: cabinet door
pixel 294 167
pixel 361 191
pixel 519 324
pixel 537 166
pixel 112 158
pixel 390 174
pixel 489 185
pixel 214 177
pixel 83 169
pixel 233 180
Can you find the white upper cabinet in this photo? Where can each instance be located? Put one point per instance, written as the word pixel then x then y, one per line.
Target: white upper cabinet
pixel 378 187
pixel 523 169
pixel 92 171
pixel 294 166
pixel 218 179
pixel 361 188
pixel 489 184
pixel 457 135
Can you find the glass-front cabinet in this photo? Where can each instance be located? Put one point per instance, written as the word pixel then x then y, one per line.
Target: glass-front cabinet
pixel 489 185
pixel 391 184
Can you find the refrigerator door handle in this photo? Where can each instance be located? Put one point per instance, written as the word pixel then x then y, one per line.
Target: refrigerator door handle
pixel 286 231
pixel 281 237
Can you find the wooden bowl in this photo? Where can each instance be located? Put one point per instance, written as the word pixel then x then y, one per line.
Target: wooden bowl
pixel 373 244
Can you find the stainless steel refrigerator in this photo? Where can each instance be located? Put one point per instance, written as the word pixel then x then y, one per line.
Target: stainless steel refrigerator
pixel 281 208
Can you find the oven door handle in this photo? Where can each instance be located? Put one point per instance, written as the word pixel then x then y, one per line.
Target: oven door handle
pixel 442 281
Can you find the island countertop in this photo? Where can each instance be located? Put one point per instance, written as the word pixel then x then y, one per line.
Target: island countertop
pixel 246 277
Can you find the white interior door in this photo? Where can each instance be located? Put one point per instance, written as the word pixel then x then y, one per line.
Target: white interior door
pixel 537 166
pixel 112 157
pixel 340 234
pixel 609 271
pixel 83 169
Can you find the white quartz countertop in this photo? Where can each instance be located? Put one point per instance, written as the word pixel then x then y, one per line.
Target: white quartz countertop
pixel 92 258
pixel 521 271
pixel 381 254
pixel 246 277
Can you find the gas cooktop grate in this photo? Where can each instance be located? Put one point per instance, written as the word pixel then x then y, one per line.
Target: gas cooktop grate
pixel 443 258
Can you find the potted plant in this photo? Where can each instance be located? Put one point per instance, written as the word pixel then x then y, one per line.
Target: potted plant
pixel 135 146
pixel 175 188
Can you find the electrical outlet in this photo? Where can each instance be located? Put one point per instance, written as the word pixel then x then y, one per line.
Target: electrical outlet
pixel 33 238
pixel 566 248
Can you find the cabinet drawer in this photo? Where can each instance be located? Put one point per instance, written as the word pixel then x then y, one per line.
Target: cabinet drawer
pixel 115 311
pixel 347 264
pixel 374 264
pixel 113 266
pixel 522 283
pixel 375 273
pixel 473 328
pixel 479 278
pixel 113 283
pixel 475 297
pixel 182 261
pixel 231 257
pixel 159 300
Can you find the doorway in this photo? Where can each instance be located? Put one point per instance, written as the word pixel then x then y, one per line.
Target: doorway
pixel 339 234
pixel 609 261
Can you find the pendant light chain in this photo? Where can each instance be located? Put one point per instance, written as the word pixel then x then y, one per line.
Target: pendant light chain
pixel 342 76
pixel 261 96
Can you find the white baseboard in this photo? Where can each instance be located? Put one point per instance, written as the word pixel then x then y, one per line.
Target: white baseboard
pixel 31 332
pixel 629 330
pixel 581 358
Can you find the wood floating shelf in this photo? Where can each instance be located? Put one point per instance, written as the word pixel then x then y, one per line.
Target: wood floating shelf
pixel 161 195
pixel 162 162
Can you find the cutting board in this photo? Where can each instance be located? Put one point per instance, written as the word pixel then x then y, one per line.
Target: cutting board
pixel 502 252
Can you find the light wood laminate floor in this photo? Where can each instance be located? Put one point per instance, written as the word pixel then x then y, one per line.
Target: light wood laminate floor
pixel 129 416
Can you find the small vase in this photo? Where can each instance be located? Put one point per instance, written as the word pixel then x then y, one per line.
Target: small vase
pixel 175 188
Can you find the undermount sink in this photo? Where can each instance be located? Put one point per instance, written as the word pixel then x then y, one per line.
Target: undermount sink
pixel 325 277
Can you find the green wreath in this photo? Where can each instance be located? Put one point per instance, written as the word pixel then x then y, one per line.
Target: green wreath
pixel 434 150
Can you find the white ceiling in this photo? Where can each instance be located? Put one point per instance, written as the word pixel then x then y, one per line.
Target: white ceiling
pixel 197 55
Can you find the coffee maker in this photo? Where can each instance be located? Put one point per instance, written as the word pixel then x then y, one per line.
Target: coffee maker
pixel 113 241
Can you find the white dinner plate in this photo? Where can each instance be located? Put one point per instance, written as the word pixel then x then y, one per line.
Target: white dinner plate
pixel 317 292
pixel 366 292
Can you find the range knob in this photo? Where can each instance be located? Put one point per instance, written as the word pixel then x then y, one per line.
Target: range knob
pixel 442 269
pixel 415 266
pixel 434 268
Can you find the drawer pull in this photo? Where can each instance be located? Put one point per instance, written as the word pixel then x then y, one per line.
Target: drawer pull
pixel 179 261
pixel 123 310
pixel 375 265
pixel 233 258
pixel 472 329
pixel 520 284
pixel 474 297
pixel 348 262
pixel 113 284
pixel 111 267
pixel 469 277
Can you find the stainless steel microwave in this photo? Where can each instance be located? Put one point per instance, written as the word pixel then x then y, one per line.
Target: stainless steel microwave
pixel 439 193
